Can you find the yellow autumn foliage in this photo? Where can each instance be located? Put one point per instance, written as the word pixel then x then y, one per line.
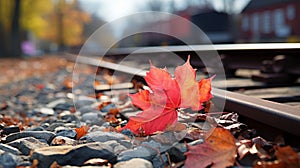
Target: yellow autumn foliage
pixel 42 17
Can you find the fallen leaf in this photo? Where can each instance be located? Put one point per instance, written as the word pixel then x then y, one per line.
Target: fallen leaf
pixel 150 121
pixel 141 99
pixel 113 111
pixel 8 121
pixel 40 86
pixel 81 131
pixel 103 104
pixel 111 119
pixel 193 93
pixel 218 150
pixel 68 83
pixel 177 127
pixel 288 156
pixel 167 95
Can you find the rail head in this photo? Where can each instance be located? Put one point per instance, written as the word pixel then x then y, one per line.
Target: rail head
pixel 246 47
pixel 277 115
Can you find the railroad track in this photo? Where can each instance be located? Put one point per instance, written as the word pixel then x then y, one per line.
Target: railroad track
pixel 277 61
pixel 268 117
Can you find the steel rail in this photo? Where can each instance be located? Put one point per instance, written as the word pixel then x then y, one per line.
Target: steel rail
pixel 280 116
pixel 234 56
pixel 270 47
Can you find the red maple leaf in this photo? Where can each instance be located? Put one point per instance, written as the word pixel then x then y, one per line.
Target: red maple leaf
pixel 166 96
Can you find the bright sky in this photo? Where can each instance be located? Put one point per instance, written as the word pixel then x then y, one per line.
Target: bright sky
pixel 113 9
pixel 109 10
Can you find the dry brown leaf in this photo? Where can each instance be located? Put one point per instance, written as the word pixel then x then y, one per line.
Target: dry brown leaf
pixel 218 150
pixel 288 156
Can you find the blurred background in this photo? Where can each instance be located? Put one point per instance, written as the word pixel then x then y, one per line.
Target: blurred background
pixel 37 27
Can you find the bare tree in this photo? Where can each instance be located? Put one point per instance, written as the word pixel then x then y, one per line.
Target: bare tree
pixel 155 5
pixel 15 47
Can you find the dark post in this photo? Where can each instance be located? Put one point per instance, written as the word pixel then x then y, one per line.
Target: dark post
pixel 15 43
pixel 60 25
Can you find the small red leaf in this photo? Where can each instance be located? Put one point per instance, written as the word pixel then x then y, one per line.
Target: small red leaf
pixel 142 124
pixel 81 131
pixel 141 99
pixel 205 89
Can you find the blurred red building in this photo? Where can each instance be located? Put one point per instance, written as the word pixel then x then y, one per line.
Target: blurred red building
pixel 270 21
pixel 216 27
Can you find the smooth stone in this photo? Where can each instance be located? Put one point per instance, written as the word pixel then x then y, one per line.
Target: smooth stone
pixel 68 133
pixel 94 128
pixel 106 109
pixel 46 111
pixel 160 161
pixel 53 126
pixel 138 152
pixel 63 106
pixel 68 166
pixel 87 109
pixel 61 128
pixel 9 149
pixel 73 125
pixel 93 118
pixel 126 143
pixel 54 103
pixel 66 112
pixel 134 163
pixel 24 164
pixel 70 118
pixel 106 125
pixel 117 147
pixel 146 151
pixel 45 125
pixel 99 136
pixel 25 145
pixel 8 160
pixel 84 101
pixel 128 133
pixel 177 154
pixel 38 128
pixel 60 140
pixel 73 155
pixel 9 130
pixel 46 135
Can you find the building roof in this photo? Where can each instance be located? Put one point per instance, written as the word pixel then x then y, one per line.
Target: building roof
pixel 254 4
pixel 207 21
